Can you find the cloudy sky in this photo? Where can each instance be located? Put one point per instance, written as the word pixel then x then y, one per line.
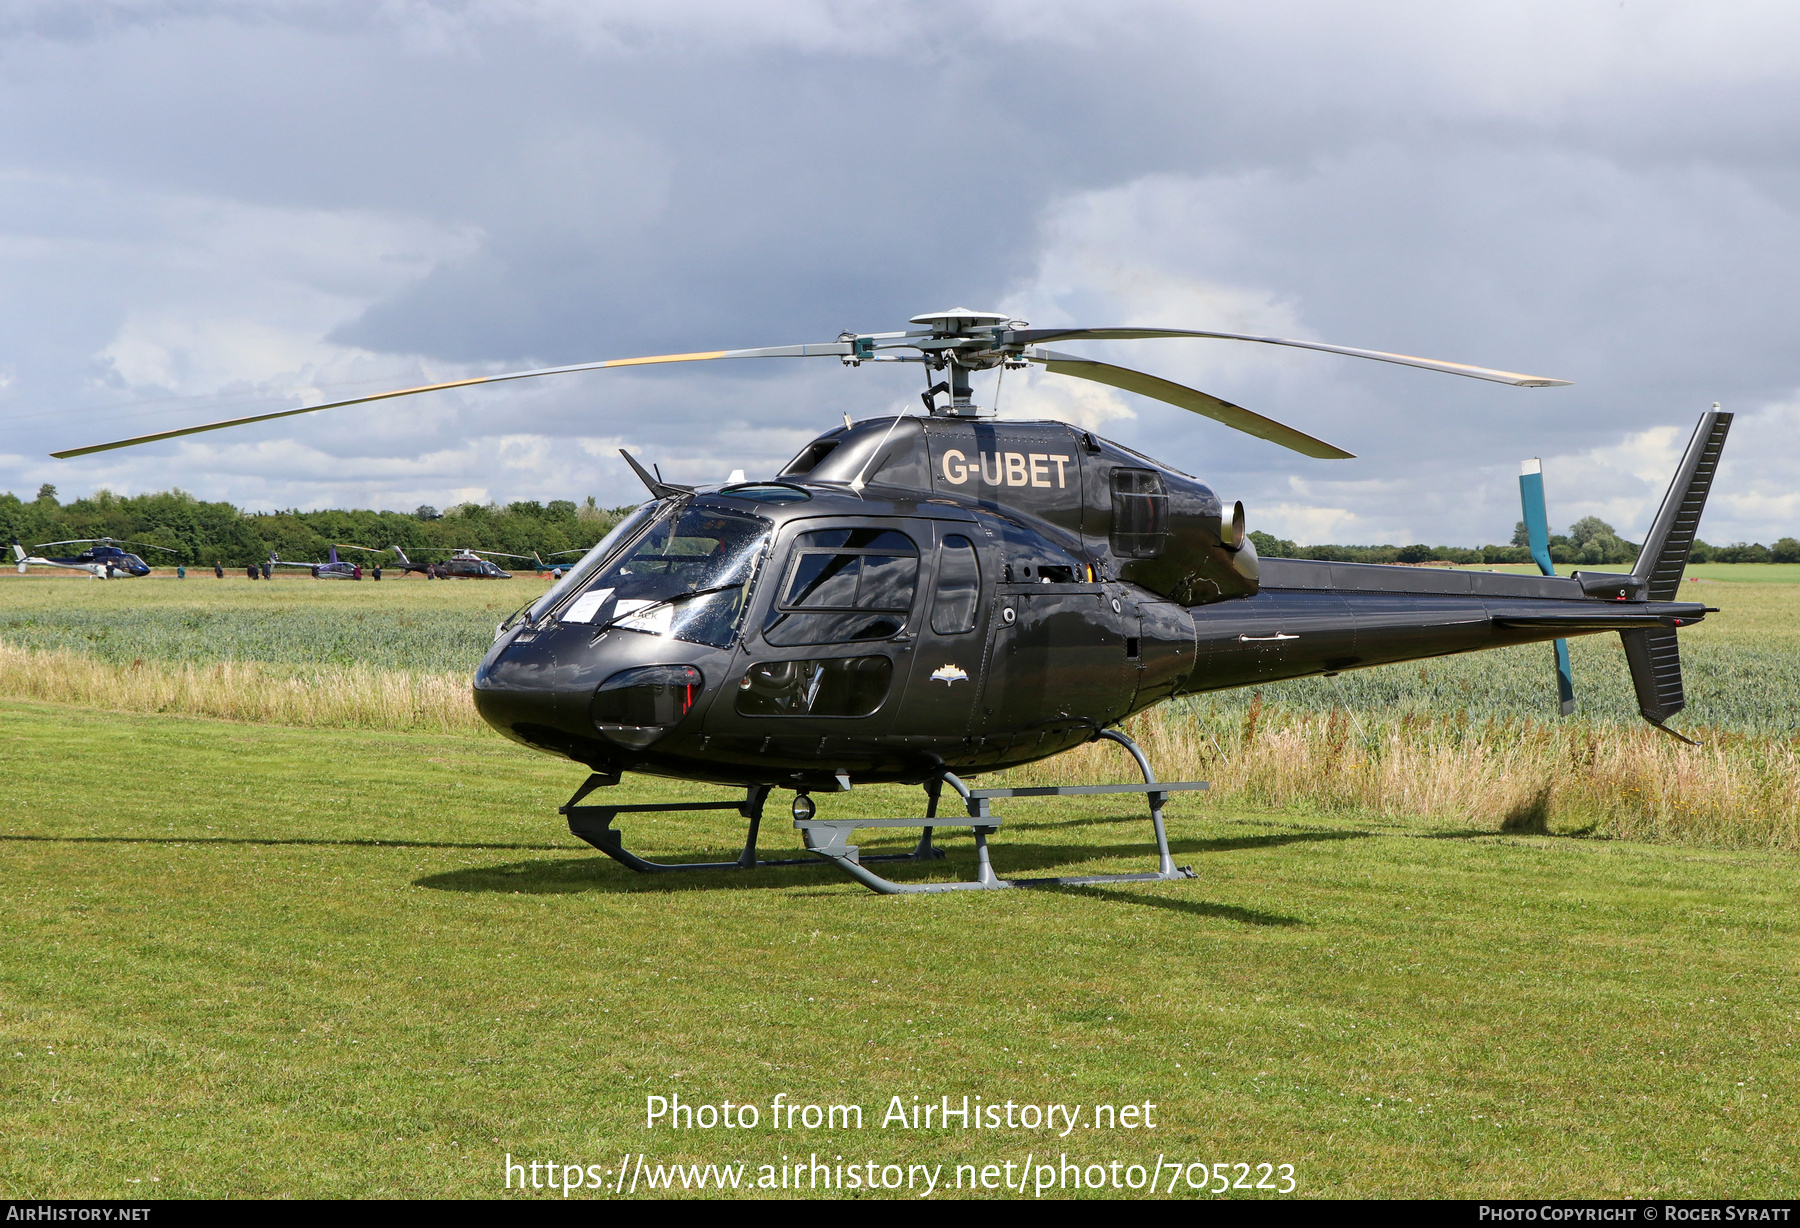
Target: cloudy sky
pixel 208 209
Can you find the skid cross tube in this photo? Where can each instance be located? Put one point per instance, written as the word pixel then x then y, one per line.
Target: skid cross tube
pixel 593 824
pixel 830 838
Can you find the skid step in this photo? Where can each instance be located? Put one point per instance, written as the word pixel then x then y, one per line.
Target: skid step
pixel 831 838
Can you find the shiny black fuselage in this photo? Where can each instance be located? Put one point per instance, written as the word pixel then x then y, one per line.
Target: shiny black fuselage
pixel 1080 616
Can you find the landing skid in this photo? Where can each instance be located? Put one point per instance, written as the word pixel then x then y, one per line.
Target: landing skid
pixel 594 825
pixel 829 839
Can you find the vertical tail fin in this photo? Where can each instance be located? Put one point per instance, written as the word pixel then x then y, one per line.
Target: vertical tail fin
pixel 1654 657
pixel 1665 553
pixel 404 561
pixel 18 552
pixel 1655 662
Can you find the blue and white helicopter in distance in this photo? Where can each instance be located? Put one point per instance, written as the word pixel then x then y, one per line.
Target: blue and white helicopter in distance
pixel 104 559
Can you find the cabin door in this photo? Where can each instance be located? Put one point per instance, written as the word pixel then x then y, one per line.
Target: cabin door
pixel 948 638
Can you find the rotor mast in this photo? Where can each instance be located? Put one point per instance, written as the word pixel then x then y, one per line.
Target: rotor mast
pixel 960 342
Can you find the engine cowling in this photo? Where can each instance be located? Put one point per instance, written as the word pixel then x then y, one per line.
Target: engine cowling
pixel 1200 555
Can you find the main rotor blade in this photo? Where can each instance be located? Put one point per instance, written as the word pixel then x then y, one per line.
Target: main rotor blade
pixel 1032 336
pixel 1205 404
pixel 825 349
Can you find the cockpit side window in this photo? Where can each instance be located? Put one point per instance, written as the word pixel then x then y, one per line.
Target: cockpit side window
pixel 1140 519
pixel 844 585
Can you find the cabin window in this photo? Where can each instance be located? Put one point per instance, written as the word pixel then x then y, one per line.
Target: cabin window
pixel 958 587
pixel 1140 520
pixel 845 585
pixel 845 686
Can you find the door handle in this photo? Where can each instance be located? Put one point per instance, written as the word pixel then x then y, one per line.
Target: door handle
pixel 1264 639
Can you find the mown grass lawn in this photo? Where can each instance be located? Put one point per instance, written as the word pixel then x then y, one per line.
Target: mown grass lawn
pixel 262 961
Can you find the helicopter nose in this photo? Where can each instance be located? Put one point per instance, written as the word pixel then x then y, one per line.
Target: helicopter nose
pixel 554 690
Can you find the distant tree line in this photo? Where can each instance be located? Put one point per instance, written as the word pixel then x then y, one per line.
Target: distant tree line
pixel 199 533
pixel 1590 542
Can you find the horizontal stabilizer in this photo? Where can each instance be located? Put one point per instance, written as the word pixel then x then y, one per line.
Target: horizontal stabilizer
pixel 1602 619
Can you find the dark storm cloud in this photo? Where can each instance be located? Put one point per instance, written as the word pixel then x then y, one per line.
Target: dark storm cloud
pixel 255 198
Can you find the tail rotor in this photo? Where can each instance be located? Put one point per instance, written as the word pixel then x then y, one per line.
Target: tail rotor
pixel 1537 535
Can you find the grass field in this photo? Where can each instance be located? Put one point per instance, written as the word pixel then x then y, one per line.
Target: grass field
pixel 342 963
pixel 267 959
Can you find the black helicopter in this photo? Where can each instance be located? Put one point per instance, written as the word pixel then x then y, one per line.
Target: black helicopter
pixel 919 599
pixel 104 559
pixel 463 564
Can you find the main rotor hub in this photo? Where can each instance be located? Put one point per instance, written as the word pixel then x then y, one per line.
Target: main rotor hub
pixel 962 341
pixel 959 321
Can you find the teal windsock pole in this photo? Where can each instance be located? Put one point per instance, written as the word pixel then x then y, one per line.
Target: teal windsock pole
pixel 1537 533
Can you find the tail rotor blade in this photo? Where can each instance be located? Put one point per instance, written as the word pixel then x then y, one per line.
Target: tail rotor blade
pixel 1537 536
pixel 1537 520
pixel 1192 399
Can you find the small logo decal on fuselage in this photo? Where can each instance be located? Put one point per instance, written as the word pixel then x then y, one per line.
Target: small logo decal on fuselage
pixel 948 673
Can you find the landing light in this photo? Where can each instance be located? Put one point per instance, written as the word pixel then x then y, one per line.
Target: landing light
pixel 636 707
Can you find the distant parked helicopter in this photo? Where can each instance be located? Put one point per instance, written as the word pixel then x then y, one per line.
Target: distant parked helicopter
pixel 333 568
pixel 556 570
pixel 463 564
pixel 104 560
pixel 916 599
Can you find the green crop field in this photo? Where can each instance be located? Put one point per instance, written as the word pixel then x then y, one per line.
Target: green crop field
pixel 403 624
pixel 261 960
pixel 1743 665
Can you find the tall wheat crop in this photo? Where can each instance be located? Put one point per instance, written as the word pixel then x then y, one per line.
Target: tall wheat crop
pixel 335 696
pixel 1735 790
pixel 1473 741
